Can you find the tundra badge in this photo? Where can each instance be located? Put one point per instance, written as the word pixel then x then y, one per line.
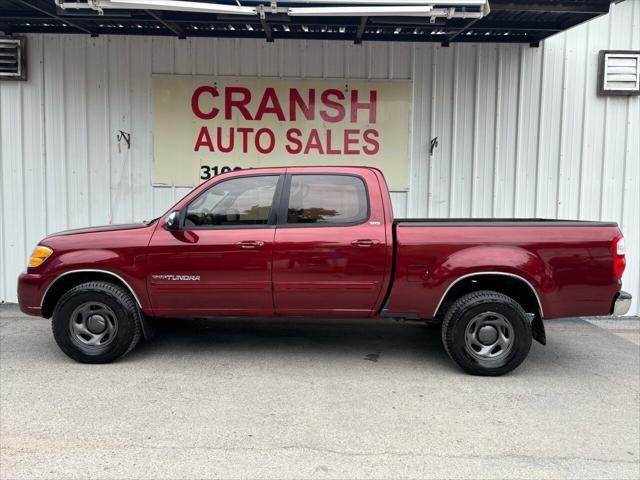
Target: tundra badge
pixel 177 278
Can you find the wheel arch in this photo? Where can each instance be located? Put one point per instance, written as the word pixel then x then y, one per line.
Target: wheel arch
pixel 67 280
pixel 510 284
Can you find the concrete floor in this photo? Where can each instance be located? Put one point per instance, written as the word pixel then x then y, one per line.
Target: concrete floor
pixel 318 399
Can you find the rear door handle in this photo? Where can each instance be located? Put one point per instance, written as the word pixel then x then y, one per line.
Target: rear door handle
pixel 250 244
pixel 365 243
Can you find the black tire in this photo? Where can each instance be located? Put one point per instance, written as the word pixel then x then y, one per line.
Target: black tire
pixel 462 331
pixel 106 305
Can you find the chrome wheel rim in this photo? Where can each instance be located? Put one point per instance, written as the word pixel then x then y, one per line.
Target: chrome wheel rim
pixel 93 327
pixel 489 337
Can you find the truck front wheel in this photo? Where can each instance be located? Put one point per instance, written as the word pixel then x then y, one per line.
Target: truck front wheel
pixel 96 322
pixel 486 333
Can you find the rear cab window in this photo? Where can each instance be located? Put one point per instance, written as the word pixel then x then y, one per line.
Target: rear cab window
pixel 326 200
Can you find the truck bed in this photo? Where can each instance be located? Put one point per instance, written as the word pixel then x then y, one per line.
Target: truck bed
pixel 568 263
pixel 502 222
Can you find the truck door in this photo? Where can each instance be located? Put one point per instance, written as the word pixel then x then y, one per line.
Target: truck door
pixel 219 261
pixel 329 253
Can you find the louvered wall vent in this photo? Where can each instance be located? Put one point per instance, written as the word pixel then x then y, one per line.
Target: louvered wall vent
pixel 12 58
pixel 619 72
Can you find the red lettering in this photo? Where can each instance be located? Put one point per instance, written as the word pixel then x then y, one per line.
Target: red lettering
pixel 264 107
pixel 371 106
pixel 272 140
pixel 195 102
pixel 240 104
pixel 308 109
pixel 348 141
pixel 331 104
pixel 370 137
pixel 330 150
pixel 295 140
pixel 245 138
pixel 228 148
pixel 204 140
pixel 314 142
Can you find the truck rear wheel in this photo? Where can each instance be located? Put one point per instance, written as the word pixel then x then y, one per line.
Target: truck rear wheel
pixel 96 322
pixel 486 333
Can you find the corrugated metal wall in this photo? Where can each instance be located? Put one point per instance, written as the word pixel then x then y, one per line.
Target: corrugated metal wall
pixel 521 131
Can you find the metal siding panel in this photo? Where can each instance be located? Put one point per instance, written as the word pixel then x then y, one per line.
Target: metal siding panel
pixel 399 203
pixel 179 193
pixel 631 202
pixel 162 200
pixel 269 58
pixel 13 254
pixel 3 240
pixel 441 160
pixel 527 144
pixel 504 181
pixel 33 158
pixel 312 60
pixel 75 130
pixel 573 114
pixel 121 199
pixel 379 58
pixel 248 51
pixel 630 218
pixel 593 126
pixel 462 131
pixel 227 61
pixel 550 129
pixel 356 60
pixel 203 55
pixel 400 60
pixel 421 131
pixel 56 155
pixel 98 130
pixel 162 56
pixel 290 58
pixel 182 51
pixel 484 157
pixel 141 129
pixel 334 59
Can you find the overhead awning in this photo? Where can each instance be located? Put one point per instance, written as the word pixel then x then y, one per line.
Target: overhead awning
pixel 443 21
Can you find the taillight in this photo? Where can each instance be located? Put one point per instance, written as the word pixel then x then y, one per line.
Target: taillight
pixel 619 261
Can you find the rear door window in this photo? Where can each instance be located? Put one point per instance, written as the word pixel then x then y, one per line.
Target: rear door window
pixel 330 200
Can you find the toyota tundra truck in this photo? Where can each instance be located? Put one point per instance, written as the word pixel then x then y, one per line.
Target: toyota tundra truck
pixel 322 242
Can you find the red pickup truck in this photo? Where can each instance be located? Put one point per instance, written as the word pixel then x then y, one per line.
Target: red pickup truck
pixel 304 241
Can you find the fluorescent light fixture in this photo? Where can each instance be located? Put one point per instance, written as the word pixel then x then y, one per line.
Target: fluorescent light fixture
pixel 172 5
pixel 360 11
pixel 440 3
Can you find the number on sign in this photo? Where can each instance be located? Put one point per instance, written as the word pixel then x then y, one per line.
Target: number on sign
pixel 209 171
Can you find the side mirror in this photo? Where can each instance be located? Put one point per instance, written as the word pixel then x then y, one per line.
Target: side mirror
pixel 173 221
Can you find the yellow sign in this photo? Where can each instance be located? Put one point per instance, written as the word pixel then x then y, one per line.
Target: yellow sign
pixel 204 126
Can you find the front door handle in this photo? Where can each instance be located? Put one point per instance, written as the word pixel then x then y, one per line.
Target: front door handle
pixel 250 244
pixel 365 243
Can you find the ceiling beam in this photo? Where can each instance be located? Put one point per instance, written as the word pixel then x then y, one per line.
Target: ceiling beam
pixel 462 30
pixel 281 35
pixel 52 14
pixel 484 25
pixel 268 32
pixel 178 30
pixel 360 31
pixel 592 8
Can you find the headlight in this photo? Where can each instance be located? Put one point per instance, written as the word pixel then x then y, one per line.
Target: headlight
pixel 39 255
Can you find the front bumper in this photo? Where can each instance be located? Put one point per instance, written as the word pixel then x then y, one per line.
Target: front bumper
pixel 622 304
pixel 31 287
